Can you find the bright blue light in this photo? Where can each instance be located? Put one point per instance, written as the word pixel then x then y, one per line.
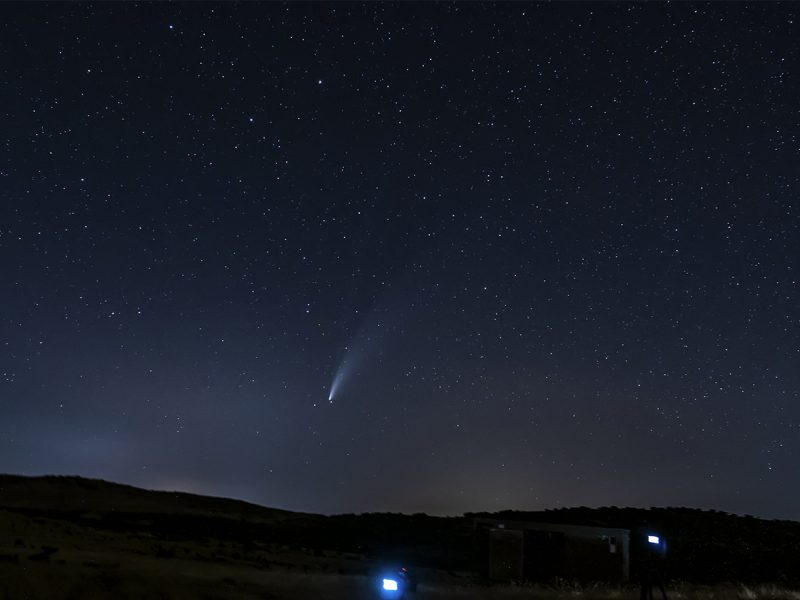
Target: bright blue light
pixel 390 585
pixel 653 539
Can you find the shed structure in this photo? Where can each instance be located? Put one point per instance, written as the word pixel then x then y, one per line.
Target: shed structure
pixel 508 550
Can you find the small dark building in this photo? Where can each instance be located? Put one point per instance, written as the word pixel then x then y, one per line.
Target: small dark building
pixel 543 552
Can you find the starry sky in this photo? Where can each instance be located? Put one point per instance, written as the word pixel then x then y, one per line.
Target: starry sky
pixel 408 257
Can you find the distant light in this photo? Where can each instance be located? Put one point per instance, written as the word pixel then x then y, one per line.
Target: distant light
pixel 390 585
pixel 653 539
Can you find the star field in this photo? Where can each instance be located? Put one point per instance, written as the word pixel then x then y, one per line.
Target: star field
pixel 549 253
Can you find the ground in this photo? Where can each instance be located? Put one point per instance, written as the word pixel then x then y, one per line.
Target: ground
pixel 70 539
pixel 53 559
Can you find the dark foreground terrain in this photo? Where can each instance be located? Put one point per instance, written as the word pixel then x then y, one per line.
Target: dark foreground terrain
pixel 70 538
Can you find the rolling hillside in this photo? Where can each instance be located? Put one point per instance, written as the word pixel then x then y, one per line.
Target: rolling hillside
pixel 59 494
pixel 704 546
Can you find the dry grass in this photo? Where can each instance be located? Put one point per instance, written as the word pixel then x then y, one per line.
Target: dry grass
pixel 733 592
pixel 151 578
pixel 604 592
pixel 49 559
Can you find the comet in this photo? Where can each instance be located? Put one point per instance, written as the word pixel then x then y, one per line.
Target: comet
pixel 342 373
pixel 365 348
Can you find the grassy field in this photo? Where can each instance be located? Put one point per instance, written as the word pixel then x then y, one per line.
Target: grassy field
pixel 50 559
pixel 147 578
pixel 28 573
pixel 70 539
pixel 131 567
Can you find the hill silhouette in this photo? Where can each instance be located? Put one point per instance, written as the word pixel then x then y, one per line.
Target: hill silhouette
pixel 70 494
pixel 705 546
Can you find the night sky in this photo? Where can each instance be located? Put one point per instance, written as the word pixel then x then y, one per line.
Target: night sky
pixel 415 257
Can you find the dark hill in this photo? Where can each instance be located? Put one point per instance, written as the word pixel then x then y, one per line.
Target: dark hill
pixel 421 539
pixel 60 494
pixel 704 546
pixel 105 506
